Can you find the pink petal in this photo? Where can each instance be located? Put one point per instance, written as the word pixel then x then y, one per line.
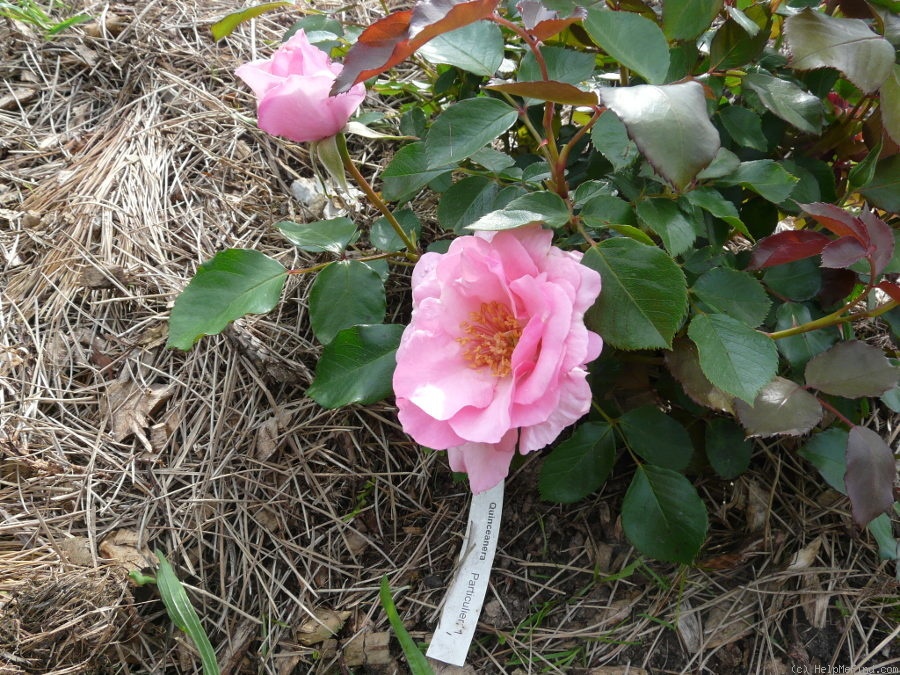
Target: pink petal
pixel 486 463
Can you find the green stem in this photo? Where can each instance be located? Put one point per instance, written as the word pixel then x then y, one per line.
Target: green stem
pixel 833 320
pixel 411 248
pixel 321 266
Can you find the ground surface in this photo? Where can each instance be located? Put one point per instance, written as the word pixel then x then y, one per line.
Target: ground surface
pixel 128 155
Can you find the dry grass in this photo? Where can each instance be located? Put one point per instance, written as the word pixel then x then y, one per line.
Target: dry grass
pixel 128 156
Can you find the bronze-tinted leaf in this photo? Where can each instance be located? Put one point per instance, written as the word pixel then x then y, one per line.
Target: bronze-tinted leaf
pixel 852 369
pixel 871 470
pixel 782 407
pixel 557 92
pixel 787 246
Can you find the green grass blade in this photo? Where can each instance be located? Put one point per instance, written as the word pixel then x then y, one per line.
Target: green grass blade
pixel 418 664
pixel 182 613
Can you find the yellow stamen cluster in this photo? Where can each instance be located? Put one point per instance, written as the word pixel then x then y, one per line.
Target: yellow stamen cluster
pixel 489 338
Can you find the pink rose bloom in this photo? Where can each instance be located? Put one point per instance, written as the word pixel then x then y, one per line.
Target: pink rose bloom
pixel 292 92
pixel 494 355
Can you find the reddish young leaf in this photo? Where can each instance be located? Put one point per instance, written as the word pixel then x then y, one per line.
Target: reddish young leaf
pixel 837 220
pixel 787 246
pixel 837 284
pixel 397 36
pixel 881 240
pixel 544 23
pixel 891 289
pixel 558 92
pixel 843 252
pixel 870 474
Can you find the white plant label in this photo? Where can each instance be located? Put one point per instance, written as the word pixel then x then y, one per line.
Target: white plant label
pixel 465 596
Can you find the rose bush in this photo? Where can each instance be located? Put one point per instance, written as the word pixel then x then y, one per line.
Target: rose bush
pixel 292 92
pixel 495 352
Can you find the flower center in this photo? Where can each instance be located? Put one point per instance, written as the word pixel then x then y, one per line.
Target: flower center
pixel 489 338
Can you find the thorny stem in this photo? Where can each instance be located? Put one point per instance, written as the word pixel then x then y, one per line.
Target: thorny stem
pixel 411 252
pixel 833 319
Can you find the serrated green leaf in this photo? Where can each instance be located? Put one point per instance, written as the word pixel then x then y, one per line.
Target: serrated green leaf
pixel 383 236
pixel 644 294
pixel 883 532
pixel 744 126
pixel 670 126
pixel 476 48
pixel 883 189
pixel 234 283
pixel 345 293
pixel 663 516
pixel 658 438
pixel 543 206
pixel 605 210
pixel 765 177
pixel 737 294
pixel 852 369
pixel 797 280
pixel 787 101
pixel 890 104
pixel 736 359
pixel 827 451
pixel 579 465
pixel 466 201
pixel 332 235
pixel 633 40
pixel 683 362
pixel 686 19
pixel 782 407
pixel 727 450
pixel 711 200
pixel 356 366
pixel 739 40
pixel 668 221
pixel 184 616
pixel 817 40
pixel 798 349
pixel 610 137
pixel 408 172
pixel 465 127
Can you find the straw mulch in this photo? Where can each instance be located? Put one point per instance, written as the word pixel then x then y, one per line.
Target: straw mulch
pixel 128 155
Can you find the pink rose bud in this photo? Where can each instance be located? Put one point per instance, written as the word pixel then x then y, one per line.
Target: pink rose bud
pixel 292 92
pixel 495 353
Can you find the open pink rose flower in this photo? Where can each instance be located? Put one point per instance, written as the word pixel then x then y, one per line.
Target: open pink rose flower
pixel 495 354
pixel 292 92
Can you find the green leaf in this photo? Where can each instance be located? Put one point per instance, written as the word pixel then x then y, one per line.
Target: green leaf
pixel 658 438
pixel 226 26
pixel 797 280
pixel 465 127
pixel 356 366
pixel 610 137
pixel 418 664
pixel 332 235
pixel 632 40
pixel 764 177
pixel 383 236
pixel 787 101
pixel 663 516
pixel 817 40
pixel 563 65
pixel 234 283
pixel 543 206
pixel 884 189
pixel 579 465
pixel 711 200
pixel 686 19
pixel 861 174
pixel 668 221
pixel 735 358
pixel 852 369
pixel 782 407
pixel 605 210
pixel 744 126
pixel 798 349
pixel 345 293
pixel 727 450
pixel 684 364
pixel 883 532
pixel 408 172
pixel 890 104
pixel 740 39
pixel 827 451
pixel 644 294
pixel 184 616
pixel 466 201
pixel 737 294
pixel 669 124
pixel 476 48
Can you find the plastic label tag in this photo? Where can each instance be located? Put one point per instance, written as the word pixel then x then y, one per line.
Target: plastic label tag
pixel 465 596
